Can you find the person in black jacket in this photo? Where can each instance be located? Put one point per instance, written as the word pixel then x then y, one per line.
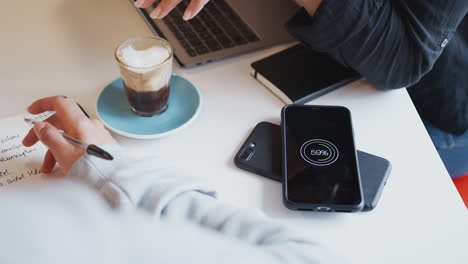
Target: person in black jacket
pixel 419 44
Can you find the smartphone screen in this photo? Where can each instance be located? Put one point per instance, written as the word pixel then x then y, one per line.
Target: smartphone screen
pixel 319 156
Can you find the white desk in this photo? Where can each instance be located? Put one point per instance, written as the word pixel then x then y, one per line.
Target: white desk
pixel 66 47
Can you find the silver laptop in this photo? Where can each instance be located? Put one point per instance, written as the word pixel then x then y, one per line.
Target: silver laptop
pixel 223 28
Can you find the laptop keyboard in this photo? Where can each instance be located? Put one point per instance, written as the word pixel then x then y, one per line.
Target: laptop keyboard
pixel 215 28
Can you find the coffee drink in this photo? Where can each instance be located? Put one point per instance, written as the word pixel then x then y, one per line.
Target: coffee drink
pixel 148 103
pixel 146 68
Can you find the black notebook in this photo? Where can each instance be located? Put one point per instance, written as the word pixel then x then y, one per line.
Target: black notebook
pixel 299 74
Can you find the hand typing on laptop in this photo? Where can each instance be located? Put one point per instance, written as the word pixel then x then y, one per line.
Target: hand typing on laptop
pixel 166 6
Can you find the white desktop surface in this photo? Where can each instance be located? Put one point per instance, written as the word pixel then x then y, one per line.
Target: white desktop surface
pixel 65 47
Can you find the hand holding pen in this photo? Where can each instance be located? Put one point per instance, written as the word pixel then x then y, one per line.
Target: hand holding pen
pixel 91 149
pixel 83 131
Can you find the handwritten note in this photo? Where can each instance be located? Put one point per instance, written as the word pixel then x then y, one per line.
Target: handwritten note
pixel 19 164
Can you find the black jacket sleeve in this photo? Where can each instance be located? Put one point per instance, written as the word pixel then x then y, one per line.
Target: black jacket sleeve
pixel 392 43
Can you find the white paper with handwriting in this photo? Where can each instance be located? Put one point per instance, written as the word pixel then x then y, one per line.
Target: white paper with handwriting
pixel 19 164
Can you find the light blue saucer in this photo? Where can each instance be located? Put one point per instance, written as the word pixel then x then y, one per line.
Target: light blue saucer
pixel 115 112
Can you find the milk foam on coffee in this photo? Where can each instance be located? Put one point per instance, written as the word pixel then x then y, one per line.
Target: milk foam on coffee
pixel 143 58
pixel 143 73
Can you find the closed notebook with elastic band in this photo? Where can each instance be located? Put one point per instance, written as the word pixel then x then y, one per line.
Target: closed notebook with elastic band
pixel 300 74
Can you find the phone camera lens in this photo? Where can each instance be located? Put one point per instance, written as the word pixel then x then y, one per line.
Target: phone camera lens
pixel 246 154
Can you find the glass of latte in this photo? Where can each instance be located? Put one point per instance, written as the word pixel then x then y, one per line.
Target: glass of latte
pixel 145 64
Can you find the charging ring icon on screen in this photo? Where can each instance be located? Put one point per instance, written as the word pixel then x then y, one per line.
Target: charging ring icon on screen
pixel 319 152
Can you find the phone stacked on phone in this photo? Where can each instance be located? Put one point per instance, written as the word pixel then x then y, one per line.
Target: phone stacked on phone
pixel 314 156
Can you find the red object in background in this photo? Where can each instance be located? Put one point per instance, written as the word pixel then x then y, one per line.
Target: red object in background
pixel 462 185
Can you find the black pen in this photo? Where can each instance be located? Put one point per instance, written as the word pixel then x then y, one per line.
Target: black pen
pixel 82 110
pixel 91 149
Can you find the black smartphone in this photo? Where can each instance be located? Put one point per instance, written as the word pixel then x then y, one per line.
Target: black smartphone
pixel 320 166
pixel 261 154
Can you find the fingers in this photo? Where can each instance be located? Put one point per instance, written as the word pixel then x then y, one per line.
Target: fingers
pixel 60 151
pixel 67 112
pixel 144 3
pixel 60 104
pixel 164 8
pixel 45 104
pixel 30 139
pixel 194 8
pixel 51 137
pixel 49 162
